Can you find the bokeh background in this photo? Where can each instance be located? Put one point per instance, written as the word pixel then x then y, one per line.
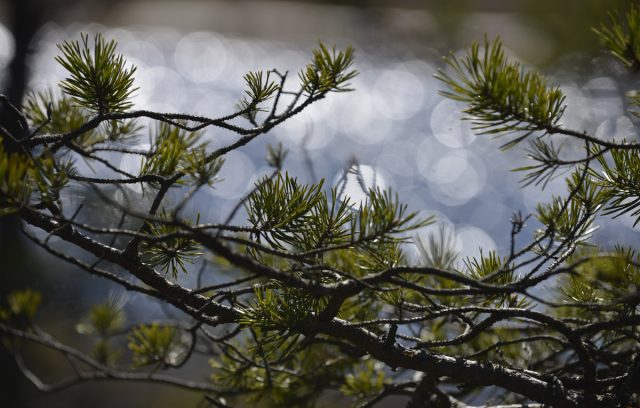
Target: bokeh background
pixel 191 56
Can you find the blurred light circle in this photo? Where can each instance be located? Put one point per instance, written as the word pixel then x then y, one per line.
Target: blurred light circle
pixel 329 108
pixel 200 57
pixel 307 134
pixel 234 176
pixel 361 123
pixel 168 87
pixel 605 98
pixel 619 129
pixel 448 127
pixel 45 73
pixel 471 239
pixel 215 104
pixel 260 174
pixel 448 168
pixel 7 44
pixel 428 152
pixel 441 222
pixel 145 82
pixel 241 57
pixel 144 51
pixel 576 113
pixel 422 69
pixel 456 178
pixel 602 87
pixel 396 165
pixel 491 213
pixel 119 34
pixel 398 94
pixel 356 182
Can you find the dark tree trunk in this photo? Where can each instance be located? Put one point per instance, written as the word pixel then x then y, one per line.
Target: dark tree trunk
pixel 24 20
pixel 25 17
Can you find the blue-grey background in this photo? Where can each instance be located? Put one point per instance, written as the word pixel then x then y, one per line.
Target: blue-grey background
pixel 191 56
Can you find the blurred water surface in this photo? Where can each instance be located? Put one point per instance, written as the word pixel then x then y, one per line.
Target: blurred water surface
pixel 395 126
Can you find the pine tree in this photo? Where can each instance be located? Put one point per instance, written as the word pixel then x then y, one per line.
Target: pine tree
pixel 320 294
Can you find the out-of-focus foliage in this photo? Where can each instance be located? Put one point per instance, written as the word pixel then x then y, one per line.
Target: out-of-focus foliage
pixel 314 291
pixel 22 304
pixel 153 344
pixel 622 37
